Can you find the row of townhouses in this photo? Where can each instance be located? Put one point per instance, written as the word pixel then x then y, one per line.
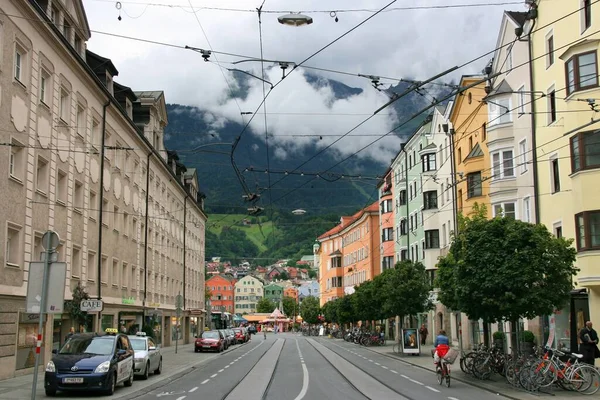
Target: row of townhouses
pixel 83 156
pixel 522 139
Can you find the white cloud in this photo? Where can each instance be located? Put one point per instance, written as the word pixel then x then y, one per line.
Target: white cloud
pixel 410 43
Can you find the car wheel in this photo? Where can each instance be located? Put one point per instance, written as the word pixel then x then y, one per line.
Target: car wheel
pixel 146 371
pixel 129 381
pixel 50 392
pixel 158 370
pixel 111 384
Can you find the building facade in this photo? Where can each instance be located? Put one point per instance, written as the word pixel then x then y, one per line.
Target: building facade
pixel 248 291
pixel 222 292
pixel 63 117
pixel 387 247
pixel 468 118
pixel 273 292
pixel 349 253
pixel 291 292
pixel 308 289
pixel 565 69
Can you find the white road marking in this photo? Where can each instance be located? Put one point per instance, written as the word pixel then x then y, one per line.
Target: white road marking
pixel 452 398
pixel 213 375
pixel 231 363
pixel 192 390
pixel 221 370
pixel 225 367
pixel 181 398
pixel 304 376
pixel 432 389
pixel 370 360
pixel 395 372
pixel 383 366
pixel 204 381
pixel 377 363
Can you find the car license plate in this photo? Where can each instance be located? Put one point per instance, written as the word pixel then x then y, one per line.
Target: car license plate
pixel 206 345
pixel 72 380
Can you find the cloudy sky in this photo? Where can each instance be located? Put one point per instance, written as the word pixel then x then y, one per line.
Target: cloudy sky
pixel 404 43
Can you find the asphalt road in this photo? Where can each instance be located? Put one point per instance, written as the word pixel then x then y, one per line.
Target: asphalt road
pixel 292 367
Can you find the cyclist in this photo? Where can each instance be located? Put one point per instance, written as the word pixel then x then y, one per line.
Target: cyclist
pixel 442 345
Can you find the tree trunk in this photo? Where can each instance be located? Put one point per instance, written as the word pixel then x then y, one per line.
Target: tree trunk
pixel 486 334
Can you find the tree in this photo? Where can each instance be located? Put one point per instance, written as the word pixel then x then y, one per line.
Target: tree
pixel 312 274
pixel 265 305
pixel 404 289
pixel 284 276
pixel 329 310
pixel 367 301
pixel 309 310
pixel 72 307
pixel 290 308
pixel 345 309
pixel 505 269
pixel 292 263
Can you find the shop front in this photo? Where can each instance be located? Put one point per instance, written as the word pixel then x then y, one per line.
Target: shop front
pixel 561 328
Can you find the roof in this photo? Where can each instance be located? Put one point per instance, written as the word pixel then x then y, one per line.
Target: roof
pixel 97 62
pixel 125 90
pixel 347 221
pixel 475 152
pixel 518 16
pixel 430 146
pixel 502 88
pixel 154 94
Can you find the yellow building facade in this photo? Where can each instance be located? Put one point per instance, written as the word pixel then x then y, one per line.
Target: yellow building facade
pixel 468 119
pixel 564 49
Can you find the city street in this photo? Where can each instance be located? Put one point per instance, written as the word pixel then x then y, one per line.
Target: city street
pixel 294 367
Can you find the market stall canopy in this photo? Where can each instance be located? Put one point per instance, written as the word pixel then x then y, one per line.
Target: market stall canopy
pixel 268 320
pixel 277 314
pixel 239 319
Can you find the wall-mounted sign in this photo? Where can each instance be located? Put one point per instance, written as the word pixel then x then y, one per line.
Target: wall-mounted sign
pixel 91 305
pixel 154 305
pixel 128 300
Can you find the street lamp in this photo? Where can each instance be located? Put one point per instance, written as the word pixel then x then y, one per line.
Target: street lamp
pixel 295 19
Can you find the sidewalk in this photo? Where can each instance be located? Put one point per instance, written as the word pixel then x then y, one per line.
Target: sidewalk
pixel 174 367
pixel 497 384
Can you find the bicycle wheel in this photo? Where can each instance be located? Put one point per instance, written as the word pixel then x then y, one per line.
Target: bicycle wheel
pixel 447 375
pixel 585 379
pixel 438 373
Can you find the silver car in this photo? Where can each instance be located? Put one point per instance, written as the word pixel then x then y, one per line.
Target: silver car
pixel 147 356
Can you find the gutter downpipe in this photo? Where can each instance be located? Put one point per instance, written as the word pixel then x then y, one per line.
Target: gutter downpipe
pixel 146 236
pixel 101 211
pixel 406 198
pixel 536 189
pixel 184 246
pixel 454 183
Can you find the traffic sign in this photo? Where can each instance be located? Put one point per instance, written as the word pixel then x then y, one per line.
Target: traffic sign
pixel 91 305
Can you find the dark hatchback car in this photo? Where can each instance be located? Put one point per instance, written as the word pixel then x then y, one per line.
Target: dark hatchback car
pixel 90 361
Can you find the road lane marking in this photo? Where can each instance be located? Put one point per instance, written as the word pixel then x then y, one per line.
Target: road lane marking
pixel 377 363
pixel 181 398
pixel 452 398
pixel 432 389
pixel 412 380
pixel 225 367
pixel 231 363
pixel 213 375
pixel 383 366
pixel 204 381
pixel 221 370
pixel 304 376
pixel 395 372
pixel 370 360
pixel 192 390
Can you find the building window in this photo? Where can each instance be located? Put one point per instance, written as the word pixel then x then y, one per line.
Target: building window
pixel 470 143
pixel 430 199
pixel 585 151
pixel 386 206
pixel 115 272
pixel 387 263
pixel 549 50
pixel 587 230
pixel 474 184
pixel 523 154
pixel 503 164
pixel 555 175
pixel 93 205
pixel 45 88
pixel 403 230
pixel 65 104
pixel 13 245
pixel 527 209
pixel 581 72
pixel 432 239
pixel 42 175
pixel 402 197
pixel 509 60
pixel 428 162
pixel 124 274
pixel 61 187
pixel 460 200
pixel 521 100
pixel 19 67
pixel 96 134
pixel 81 124
pixel 459 155
pixel 558 230
pixel 551 106
pixel 403 254
pixel 78 196
pixel 91 266
pixel 105 212
pixel 499 111
pixel 587 14
pixel 16 160
pixel 387 234
pixel 505 210
pixel 76 262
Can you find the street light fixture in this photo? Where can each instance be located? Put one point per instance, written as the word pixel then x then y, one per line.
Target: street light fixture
pixel 295 19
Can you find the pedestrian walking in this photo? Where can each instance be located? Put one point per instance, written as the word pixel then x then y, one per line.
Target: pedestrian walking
pixel 423 332
pixel 588 346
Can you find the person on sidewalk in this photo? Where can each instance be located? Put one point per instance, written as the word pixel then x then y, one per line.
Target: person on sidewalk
pixel 589 344
pixel 71 333
pixel 441 345
pixel 423 332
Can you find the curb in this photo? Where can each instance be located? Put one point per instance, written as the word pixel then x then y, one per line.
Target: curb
pixel 496 392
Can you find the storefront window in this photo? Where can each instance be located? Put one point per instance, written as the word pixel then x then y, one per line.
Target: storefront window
pixel 176 331
pixel 57 341
pixel 193 326
pixel 27 341
pixel 107 322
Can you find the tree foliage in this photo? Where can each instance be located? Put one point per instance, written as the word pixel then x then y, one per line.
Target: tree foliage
pixel 312 274
pixel 505 269
pixel 284 276
pixel 72 307
pixel 265 305
pixel 290 307
pixel 309 310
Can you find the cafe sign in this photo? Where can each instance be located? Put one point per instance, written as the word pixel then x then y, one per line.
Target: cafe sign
pixel 91 305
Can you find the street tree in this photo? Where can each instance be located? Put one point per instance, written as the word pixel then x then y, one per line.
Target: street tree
pixel 367 300
pixel 284 276
pixel 265 305
pixel 345 309
pixel 290 308
pixel 309 310
pixel 329 310
pixel 72 307
pixel 505 269
pixel 312 273
pixel 404 289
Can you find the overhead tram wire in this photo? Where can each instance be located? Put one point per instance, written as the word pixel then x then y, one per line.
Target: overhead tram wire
pixel 237 141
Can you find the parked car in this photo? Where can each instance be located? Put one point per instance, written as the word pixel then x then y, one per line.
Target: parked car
pixel 89 361
pixel 246 333
pixel 240 336
pixel 231 335
pixel 210 340
pixel 147 356
pixel 228 341
pixel 252 329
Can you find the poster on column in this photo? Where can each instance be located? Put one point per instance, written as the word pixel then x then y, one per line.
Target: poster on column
pixel 410 341
pixel 552 333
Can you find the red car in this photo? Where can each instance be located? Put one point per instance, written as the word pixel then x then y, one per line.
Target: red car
pixel 240 335
pixel 210 340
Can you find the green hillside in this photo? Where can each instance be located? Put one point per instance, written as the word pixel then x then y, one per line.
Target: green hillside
pixel 216 223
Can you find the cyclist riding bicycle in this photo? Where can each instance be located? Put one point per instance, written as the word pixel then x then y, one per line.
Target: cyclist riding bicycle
pixel 442 345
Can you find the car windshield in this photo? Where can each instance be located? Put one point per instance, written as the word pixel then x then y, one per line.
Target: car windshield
pixel 138 344
pixel 94 345
pixel 210 335
pixel 237 330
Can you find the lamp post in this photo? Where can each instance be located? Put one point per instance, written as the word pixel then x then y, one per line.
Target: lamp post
pixel 295 19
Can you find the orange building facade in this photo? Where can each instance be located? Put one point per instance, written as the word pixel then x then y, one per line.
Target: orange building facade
pixel 291 292
pixel 386 222
pixel 349 254
pixel 222 293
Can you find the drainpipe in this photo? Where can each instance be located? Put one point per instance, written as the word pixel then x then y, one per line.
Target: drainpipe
pixel 100 210
pixel 146 235
pixel 536 189
pixel 406 198
pixel 454 183
pixel 184 245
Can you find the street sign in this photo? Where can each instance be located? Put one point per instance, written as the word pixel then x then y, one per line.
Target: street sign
pixel 57 273
pixel 91 305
